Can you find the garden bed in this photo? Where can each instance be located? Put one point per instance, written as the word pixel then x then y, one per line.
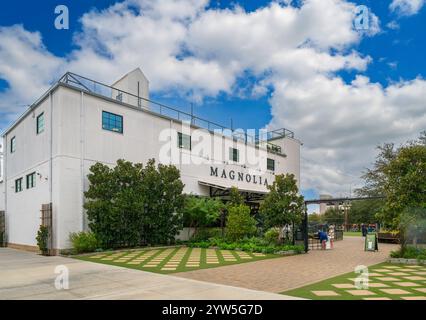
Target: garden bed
pixel 249 245
pixel 407 261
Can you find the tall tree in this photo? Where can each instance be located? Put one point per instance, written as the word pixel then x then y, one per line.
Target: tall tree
pixel 283 204
pixel 399 174
pixel 365 211
pixel 129 204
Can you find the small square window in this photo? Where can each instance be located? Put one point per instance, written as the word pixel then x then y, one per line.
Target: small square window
pixel 40 123
pixel 18 185
pixel 271 164
pixel 234 154
pixel 184 141
pixel 13 145
pixel 31 180
pixel 112 122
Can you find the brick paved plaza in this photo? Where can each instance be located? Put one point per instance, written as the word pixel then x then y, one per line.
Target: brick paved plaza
pixel 282 274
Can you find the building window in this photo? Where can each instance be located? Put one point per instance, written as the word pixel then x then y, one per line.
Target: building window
pixel 234 154
pixel 270 164
pixel 31 180
pixel 13 145
pixel 112 122
pixel 119 97
pixel 184 141
pixel 40 123
pixel 18 185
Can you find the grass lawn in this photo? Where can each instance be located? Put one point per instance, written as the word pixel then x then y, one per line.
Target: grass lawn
pixel 172 260
pixel 352 233
pixel 386 281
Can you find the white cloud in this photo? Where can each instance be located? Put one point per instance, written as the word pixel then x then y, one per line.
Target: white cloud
pixel 27 66
pixel 294 52
pixel 341 123
pixel 406 7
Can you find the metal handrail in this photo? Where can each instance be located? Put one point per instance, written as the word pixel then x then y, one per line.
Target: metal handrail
pixel 97 87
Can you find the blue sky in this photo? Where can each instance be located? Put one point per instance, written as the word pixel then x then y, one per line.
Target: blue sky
pixel 396 56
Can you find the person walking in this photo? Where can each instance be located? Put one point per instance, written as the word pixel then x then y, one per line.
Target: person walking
pixel 331 235
pixel 364 230
pixel 323 239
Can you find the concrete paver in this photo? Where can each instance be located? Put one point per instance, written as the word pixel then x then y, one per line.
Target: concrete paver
pixel 282 274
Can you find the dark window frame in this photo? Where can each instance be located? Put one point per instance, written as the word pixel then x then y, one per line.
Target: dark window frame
pixel 180 143
pixel 234 154
pixel 112 122
pixel 270 161
pixel 38 128
pixel 13 144
pixel 18 182
pixel 31 176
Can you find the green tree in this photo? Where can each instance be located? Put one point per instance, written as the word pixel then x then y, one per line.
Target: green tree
pixel 399 174
pixel 201 212
pixel 334 216
pixel 283 204
pixel 315 217
pixel 239 223
pixel 114 203
pixel 163 202
pixel 129 204
pixel 235 197
pixel 364 211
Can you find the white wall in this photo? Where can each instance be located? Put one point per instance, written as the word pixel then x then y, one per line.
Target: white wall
pixel 32 155
pixel 79 142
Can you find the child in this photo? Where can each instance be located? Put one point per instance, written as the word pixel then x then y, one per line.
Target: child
pixel 331 235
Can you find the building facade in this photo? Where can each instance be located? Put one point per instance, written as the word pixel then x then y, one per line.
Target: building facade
pixel 48 151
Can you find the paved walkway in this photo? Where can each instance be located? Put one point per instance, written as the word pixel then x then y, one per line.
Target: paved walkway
pixel 282 274
pixel 25 275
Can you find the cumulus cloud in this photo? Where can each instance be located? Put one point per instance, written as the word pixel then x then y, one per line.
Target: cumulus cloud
pixel 406 7
pixel 341 123
pixel 294 52
pixel 27 67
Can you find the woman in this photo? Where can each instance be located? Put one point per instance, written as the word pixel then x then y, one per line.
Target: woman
pixel 331 235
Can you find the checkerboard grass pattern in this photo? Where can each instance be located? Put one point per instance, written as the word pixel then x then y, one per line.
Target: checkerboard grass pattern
pixel 386 282
pixel 172 260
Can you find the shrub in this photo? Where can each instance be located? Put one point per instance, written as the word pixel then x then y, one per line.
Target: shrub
pixel 42 238
pixel 272 236
pixel 409 253
pixel 84 242
pixel 203 234
pixel 239 223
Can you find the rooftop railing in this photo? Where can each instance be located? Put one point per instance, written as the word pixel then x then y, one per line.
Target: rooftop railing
pixel 93 86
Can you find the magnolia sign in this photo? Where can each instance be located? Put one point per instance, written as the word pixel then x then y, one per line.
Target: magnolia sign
pixel 238 176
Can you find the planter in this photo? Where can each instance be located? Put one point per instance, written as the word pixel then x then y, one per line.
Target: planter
pixel 388 237
pixel 406 261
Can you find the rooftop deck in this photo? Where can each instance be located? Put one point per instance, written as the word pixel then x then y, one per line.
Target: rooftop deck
pixel 93 86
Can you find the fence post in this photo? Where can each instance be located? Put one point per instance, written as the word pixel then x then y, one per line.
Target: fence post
pixel 2 229
pixel 305 230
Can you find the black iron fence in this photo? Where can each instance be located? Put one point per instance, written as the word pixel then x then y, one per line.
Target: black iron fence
pixel 2 229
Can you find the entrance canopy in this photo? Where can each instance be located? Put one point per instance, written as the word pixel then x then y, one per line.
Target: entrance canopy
pixel 222 190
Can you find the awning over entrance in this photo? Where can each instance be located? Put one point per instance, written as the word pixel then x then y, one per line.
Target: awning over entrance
pixel 222 190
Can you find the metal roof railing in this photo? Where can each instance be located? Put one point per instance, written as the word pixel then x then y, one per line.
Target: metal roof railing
pixel 93 86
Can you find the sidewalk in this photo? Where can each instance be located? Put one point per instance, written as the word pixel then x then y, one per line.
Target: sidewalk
pixel 25 275
pixel 282 274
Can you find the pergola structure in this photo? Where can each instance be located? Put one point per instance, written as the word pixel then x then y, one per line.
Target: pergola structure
pixel 331 201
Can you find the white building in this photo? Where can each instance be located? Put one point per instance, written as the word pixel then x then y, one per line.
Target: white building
pixel 48 152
